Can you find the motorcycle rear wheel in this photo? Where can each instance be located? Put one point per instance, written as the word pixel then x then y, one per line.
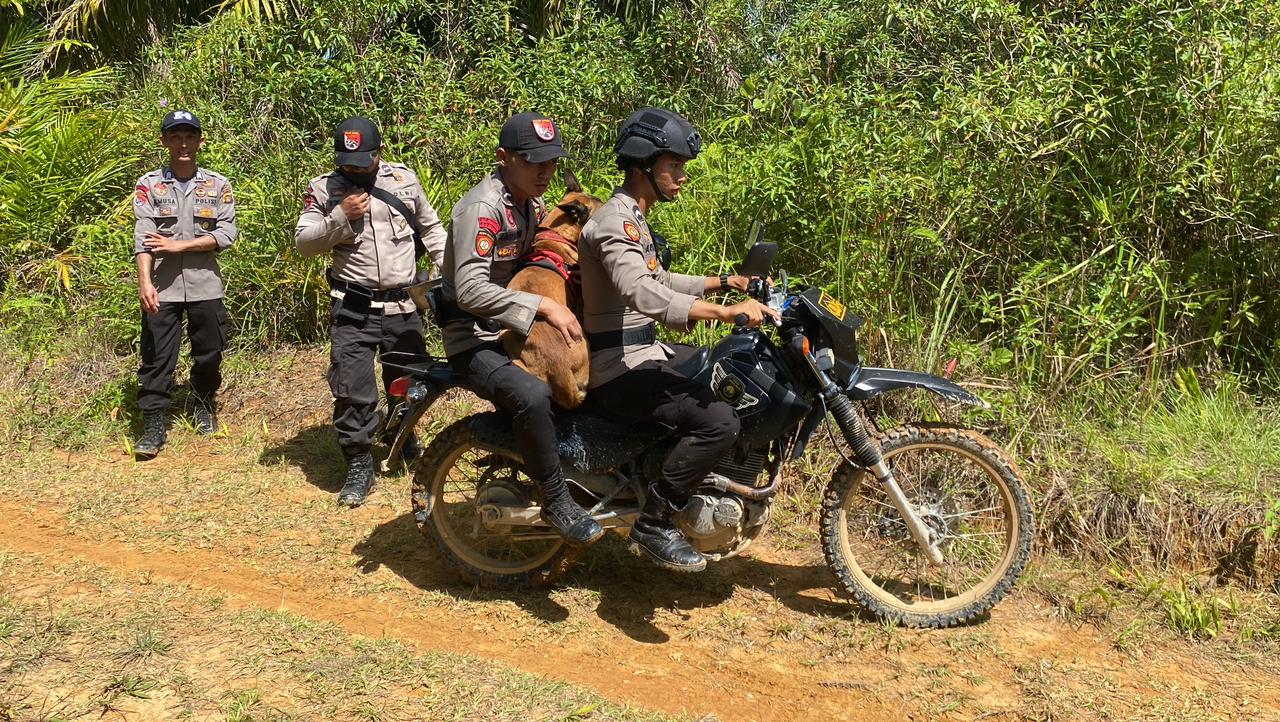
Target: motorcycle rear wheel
pixel 456 488
pixel 967 489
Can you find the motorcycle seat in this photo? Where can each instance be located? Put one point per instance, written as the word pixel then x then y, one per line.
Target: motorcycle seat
pixel 587 441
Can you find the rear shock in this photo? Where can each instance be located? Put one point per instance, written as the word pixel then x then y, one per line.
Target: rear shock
pixel 866 452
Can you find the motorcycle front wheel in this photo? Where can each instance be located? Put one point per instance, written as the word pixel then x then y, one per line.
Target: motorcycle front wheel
pixel 968 492
pixel 460 494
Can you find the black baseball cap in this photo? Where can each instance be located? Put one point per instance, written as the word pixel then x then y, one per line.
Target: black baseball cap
pixel 533 135
pixel 355 140
pixel 176 118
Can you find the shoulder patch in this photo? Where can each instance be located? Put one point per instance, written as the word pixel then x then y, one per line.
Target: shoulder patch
pixel 631 230
pixel 486 235
pixel 140 194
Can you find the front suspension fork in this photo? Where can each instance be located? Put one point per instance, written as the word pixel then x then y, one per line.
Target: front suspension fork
pixel 866 452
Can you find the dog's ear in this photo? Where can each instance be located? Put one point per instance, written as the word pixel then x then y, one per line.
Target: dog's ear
pixel 571 183
pixel 577 210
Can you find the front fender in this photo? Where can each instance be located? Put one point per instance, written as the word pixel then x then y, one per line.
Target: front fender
pixel 870 382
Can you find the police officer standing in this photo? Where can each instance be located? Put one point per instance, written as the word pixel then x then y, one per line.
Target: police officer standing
pixel 185 215
pixel 490 229
pixel 625 289
pixel 374 218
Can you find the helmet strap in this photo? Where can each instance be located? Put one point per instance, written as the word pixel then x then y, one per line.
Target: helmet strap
pixel 648 173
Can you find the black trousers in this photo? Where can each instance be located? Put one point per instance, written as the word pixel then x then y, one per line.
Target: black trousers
pixel 489 373
pixel 161 339
pixel 707 427
pixel 353 348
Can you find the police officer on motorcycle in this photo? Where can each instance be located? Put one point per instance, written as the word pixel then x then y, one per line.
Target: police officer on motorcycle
pixel 626 289
pixel 490 228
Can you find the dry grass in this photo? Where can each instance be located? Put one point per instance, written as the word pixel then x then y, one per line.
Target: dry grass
pixel 83 643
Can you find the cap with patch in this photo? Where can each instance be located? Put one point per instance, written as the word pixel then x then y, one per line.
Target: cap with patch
pixel 355 140
pixel 176 118
pixel 533 135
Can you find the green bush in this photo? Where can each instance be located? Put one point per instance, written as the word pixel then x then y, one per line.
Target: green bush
pixel 1050 191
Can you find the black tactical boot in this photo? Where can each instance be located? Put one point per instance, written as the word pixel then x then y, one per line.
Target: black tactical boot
pixel 152 439
pixel 653 537
pixel 564 515
pixel 359 479
pixel 206 419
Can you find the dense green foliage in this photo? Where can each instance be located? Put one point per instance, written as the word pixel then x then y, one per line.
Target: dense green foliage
pixel 1050 191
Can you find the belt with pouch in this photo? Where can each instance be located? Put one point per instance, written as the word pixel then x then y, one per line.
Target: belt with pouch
pixel 387 295
pixel 641 336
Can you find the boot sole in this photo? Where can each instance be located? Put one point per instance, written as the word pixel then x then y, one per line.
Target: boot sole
pixel 643 553
pixel 146 453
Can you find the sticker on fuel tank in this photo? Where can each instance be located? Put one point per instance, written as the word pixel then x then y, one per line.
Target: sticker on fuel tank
pixel 731 389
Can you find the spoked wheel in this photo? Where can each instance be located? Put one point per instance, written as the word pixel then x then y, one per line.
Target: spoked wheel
pixel 460 494
pixel 967 491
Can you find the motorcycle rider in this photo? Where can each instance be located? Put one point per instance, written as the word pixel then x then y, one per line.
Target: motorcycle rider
pixel 625 290
pixel 489 230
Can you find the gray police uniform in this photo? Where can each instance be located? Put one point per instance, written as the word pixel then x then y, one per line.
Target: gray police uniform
pixel 188 284
pixel 374 259
pixel 488 233
pixel 624 290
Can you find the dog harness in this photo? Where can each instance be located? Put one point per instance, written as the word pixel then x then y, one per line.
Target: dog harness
pixel 552 260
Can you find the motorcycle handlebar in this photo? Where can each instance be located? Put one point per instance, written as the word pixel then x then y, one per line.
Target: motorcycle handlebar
pixel 740 321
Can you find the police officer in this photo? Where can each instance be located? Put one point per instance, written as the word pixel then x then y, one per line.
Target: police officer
pixel 625 290
pixel 374 218
pixel 490 228
pixel 185 215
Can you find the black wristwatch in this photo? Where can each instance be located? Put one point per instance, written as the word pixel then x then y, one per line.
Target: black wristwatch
pixel 724 282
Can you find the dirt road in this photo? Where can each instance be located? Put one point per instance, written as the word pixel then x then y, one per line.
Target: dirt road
pixel 248 517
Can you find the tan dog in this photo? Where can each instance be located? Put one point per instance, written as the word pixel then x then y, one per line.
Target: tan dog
pixel 553 259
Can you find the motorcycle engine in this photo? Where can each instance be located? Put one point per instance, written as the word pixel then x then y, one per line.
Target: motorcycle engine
pixel 719 524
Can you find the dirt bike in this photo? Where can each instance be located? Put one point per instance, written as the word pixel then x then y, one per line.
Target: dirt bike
pixel 926 525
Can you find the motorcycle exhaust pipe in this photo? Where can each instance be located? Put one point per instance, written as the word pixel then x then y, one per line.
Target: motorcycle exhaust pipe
pixel 752 493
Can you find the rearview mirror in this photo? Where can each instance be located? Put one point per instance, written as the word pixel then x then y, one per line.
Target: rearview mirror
pixel 760 258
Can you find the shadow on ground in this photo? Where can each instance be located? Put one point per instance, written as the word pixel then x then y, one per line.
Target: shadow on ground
pixel 630 590
pixel 314 451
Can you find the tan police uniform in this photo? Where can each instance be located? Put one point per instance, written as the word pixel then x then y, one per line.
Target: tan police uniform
pixel 488 233
pixel 625 287
pixel 376 251
pixel 487 236
pixel 206 207
pixel 187 283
